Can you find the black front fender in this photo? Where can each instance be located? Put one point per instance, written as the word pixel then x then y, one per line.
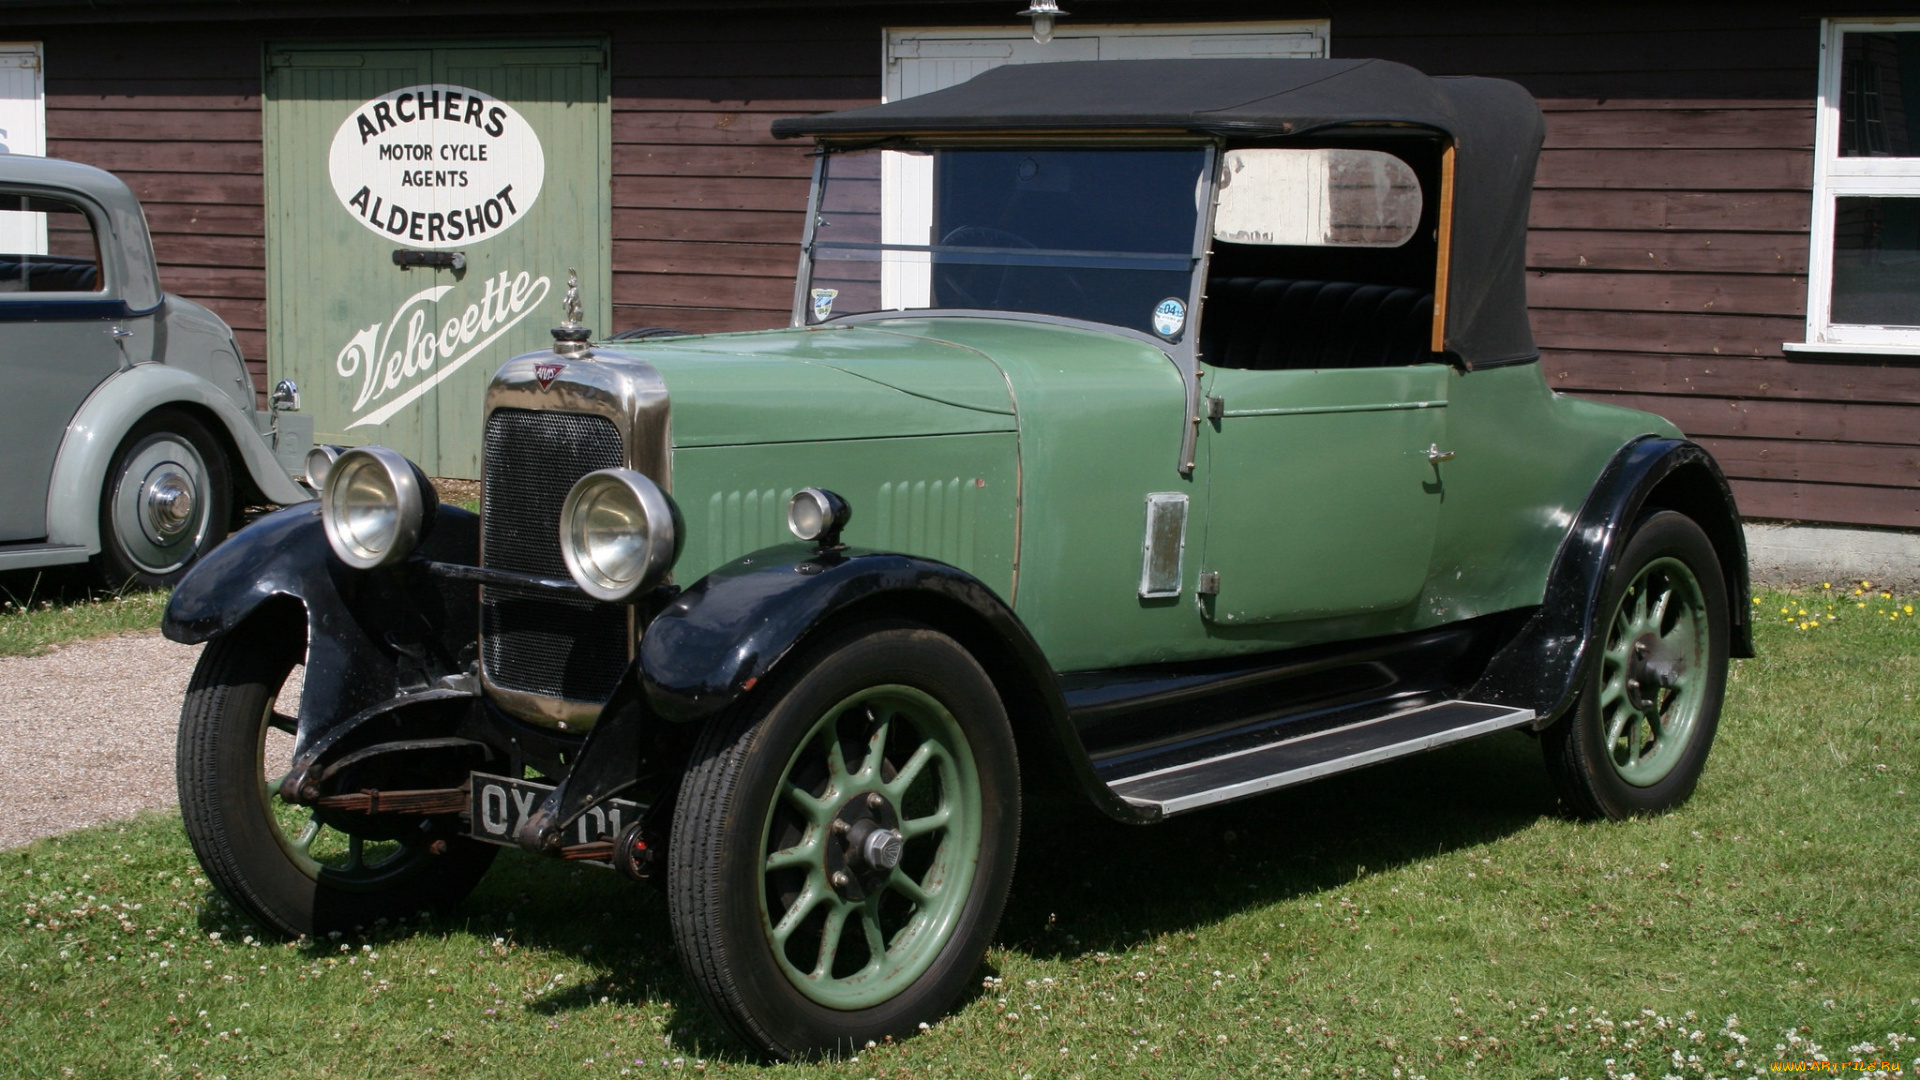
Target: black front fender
pixel 712 644
pixel 1541 668
pixel 715 641
pixel 371 636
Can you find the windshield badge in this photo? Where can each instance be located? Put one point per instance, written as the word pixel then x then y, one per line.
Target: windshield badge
pixel 823 303
pixel 1170 317
pixel 544 374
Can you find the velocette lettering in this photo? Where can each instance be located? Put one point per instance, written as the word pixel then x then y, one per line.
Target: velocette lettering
pixel 401 358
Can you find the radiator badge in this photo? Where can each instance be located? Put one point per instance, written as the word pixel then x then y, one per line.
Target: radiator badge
pixel 546 373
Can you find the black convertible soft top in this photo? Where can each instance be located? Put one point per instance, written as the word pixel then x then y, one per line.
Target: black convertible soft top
pixel 1494 125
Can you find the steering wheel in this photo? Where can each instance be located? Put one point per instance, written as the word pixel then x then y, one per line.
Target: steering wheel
pixel 978 285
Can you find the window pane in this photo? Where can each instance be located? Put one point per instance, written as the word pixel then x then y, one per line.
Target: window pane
pixel 46 245
pixel 1880 95
pixel 1103 234
pixel 1876 261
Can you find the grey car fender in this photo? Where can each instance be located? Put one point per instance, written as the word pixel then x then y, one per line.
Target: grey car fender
pixel 94 434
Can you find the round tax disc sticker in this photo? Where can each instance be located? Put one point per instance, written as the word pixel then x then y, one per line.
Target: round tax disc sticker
pixel 1170 317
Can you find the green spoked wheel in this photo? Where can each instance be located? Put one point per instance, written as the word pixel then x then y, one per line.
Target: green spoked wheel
pixel 1637 739
pixel 275 861
pixel 841 851
pixel 1652 672
pixel 868 866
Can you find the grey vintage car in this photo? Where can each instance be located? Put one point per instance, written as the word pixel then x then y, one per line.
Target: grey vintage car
pixel 127 422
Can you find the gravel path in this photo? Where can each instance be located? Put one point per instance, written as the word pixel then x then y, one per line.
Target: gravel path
pixel 86 733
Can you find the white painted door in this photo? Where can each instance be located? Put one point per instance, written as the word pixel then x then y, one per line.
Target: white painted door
pixel 920 61
pixel 23 130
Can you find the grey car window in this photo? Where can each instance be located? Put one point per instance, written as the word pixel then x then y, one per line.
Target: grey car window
pixel 47 245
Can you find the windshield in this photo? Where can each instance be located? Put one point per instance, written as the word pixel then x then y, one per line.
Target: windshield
pixel 1105 235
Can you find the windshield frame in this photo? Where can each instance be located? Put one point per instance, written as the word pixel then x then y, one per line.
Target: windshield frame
pixel 1182 351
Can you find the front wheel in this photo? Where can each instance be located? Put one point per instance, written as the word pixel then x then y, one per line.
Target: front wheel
pixel 279 863
pixel 841 851
pixel 1637 738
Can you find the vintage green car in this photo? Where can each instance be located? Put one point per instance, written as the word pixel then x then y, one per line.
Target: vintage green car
pixel 1164 432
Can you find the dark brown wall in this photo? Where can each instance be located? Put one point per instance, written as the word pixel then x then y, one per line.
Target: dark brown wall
pixel 1669 240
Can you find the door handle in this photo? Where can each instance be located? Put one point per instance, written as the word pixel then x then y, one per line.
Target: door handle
pixel 407 259
pixel 1435 455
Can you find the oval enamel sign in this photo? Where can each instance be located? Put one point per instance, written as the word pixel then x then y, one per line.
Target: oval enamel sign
pixel 437 166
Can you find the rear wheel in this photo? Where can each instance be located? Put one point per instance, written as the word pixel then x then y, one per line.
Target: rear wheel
pixel 168 500
pixel 1637 739
pixel 841 853
pixel 276 861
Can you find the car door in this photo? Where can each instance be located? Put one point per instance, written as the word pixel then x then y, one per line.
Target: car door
pixel 1323 498
pixel 57 342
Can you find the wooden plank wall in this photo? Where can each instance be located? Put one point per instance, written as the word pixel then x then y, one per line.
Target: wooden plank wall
pixel 1669 223
pixel 1668 246
pixel 707 205
pixel 1668 264
pixel 186 138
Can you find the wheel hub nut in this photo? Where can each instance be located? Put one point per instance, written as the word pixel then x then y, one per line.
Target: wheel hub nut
pixel 169 504
pixel 882 849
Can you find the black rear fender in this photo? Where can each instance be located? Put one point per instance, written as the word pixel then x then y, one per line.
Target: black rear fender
pixel 1541 668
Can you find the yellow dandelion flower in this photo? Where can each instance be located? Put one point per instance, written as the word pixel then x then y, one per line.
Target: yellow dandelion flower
pixel 1756 599
pixel 1861 604
pixel 1826 584
pixel 1803 611
pixel 1866 584
pixel 1784 611
pixel 1909 609
pixel 1886 596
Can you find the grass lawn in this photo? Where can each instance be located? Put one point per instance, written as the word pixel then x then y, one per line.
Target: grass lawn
pixel 1431 917
pixel 41 609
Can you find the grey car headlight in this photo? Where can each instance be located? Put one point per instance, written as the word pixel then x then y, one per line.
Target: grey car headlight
pixel 319 460
pixel 619 533
pixel 375 505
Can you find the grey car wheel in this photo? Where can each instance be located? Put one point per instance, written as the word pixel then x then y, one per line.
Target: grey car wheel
pixel 167 501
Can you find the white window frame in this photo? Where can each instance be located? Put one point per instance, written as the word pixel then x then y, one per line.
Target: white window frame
pixel 1835 177
pixel 24 233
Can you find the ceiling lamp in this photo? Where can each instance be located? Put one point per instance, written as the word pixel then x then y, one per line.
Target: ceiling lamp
pixel 1043 13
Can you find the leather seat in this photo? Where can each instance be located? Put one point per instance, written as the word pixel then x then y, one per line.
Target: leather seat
pixel 48 273
pixel 1277 324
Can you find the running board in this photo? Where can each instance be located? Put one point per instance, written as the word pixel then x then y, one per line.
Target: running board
pixel 1216 778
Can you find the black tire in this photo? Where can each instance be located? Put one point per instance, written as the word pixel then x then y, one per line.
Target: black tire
pixel 1595 774
pixel 240 832
pixel 143 543
pixel 731 811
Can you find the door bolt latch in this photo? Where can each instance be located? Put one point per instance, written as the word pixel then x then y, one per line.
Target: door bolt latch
pixel 1216 407
pixel 1435 455
pixel 1209 583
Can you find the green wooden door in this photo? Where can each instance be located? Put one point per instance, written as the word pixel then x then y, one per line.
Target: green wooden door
pixel 490 167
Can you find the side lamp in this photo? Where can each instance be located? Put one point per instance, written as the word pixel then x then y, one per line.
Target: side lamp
pixel 817 515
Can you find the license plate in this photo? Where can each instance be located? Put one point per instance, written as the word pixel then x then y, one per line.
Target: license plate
pixel 501 805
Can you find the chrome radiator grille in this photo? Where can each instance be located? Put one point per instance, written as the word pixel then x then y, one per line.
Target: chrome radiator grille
pixel 536 643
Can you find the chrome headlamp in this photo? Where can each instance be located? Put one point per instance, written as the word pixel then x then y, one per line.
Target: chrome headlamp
pixel 376 506
pixel 319 460
pixel 619 533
